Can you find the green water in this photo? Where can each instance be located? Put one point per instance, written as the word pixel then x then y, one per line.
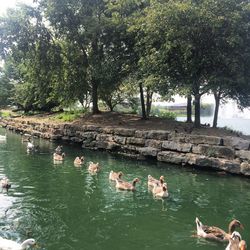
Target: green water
pixel 64 207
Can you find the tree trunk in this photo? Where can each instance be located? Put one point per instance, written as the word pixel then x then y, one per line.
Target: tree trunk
pixel 216 109
pixel 95 109
pixel 197 108
pixel 189 108
pixel 143 110
pixel 149 101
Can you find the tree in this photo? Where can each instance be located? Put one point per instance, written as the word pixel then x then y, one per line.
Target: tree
pixel 25 44
pixel 185 43
pixel 88 25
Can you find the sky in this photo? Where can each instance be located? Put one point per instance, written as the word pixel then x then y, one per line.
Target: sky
pixel 4 4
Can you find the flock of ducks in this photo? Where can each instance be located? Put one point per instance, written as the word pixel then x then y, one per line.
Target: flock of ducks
pixel 159 189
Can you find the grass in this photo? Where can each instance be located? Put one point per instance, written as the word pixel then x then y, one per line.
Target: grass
pixel 68 116
pixel 5 113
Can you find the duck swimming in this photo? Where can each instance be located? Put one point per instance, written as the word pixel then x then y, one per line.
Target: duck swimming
pixel 152 181
pixel 6 244
pixel 79 160
pixel 215 233
pixel 236 243
pixel 160 191
pixel 94 167
pixel 115 175
pixel 124 185
pixel 58 157
pixel 5 183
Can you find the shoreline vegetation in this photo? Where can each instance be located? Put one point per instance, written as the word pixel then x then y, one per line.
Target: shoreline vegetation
pixel 120 119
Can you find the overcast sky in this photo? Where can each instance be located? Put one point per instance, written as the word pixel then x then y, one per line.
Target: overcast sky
pixel 4 4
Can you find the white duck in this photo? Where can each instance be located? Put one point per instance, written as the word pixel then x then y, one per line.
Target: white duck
pixel 6 244
pixel 30 146
pixel 236 243
pixel 3 137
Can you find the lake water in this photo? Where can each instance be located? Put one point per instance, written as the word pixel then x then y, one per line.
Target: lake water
pixel 65 208
pixel 234 123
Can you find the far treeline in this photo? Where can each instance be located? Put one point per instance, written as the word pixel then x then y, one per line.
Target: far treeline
pixel 60 52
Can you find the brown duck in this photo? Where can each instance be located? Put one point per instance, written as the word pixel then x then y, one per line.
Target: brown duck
pixel 123 185
pixel 216 233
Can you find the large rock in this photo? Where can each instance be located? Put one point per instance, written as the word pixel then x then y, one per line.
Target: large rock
pixel 148 151
pixel 124 131
pixel 237 143
pixel 157 134
pixel 141 133
pixel 153 143
pixel 177 146
pixel 104 137
pixel 203 161
pixel 91 128
pixel 230 166
pixel 214 151
pixel 245 168
pixel 120 139
pixel 172 157
pixel 135 141
pixel 243 154
pixel 107 130
pixel 203 139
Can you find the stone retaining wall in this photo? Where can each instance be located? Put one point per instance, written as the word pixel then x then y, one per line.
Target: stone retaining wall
pixel 229 154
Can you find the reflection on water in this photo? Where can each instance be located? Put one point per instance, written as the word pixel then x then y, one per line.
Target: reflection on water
pixel 65 207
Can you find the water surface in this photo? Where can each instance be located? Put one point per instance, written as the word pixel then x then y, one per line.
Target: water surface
pixel 64 207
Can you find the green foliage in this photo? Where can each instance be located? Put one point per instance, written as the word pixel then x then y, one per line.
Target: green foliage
pixel 64 51
pixel 163 113
pixel 5 114
pixel 68 116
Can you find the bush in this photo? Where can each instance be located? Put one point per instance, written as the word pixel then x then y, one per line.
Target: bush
pixel 167 114
pixel 69 116
pixel 163 113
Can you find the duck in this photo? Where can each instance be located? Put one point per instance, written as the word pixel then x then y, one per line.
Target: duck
pixel 115 175
pixel 152 181
pixel 58 157
pixel 236 243
pixel 215 233
pixel 6 244
pixel 3 137
pixel 94 167
pixel 30 146
pixel 160 191
pixel 79 160
pixel 124 185
pixel 5 183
